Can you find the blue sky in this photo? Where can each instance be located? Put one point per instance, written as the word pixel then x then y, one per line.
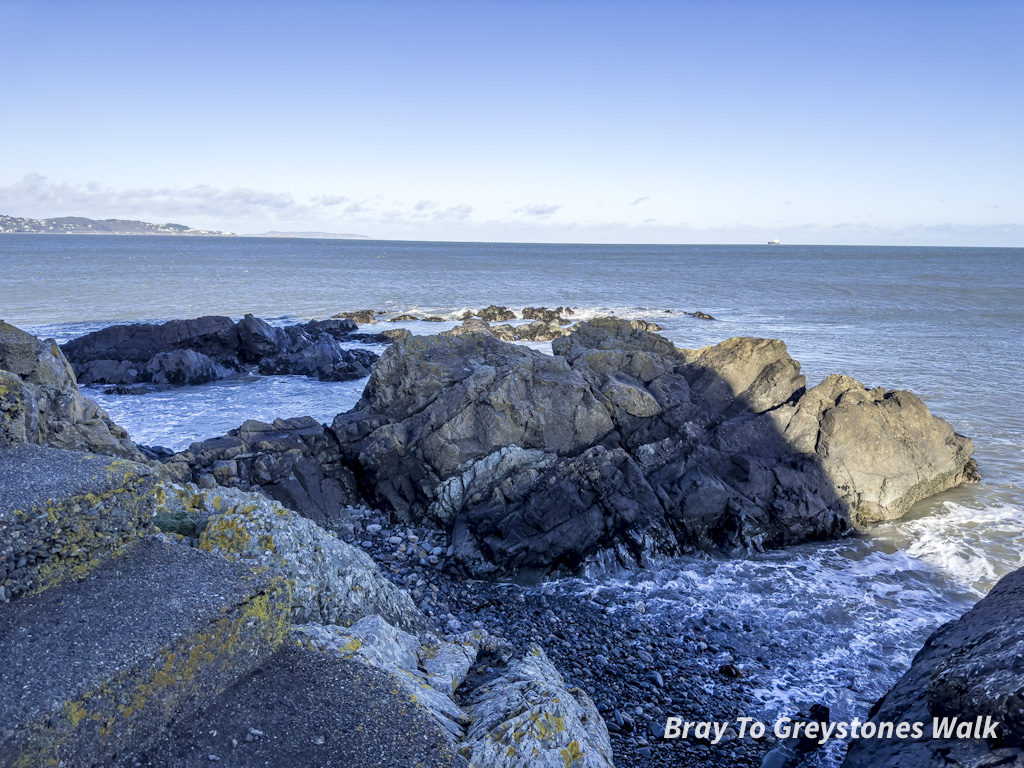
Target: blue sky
pixel 824 122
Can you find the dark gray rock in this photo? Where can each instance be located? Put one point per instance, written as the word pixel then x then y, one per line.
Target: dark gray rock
pixel 970 668
pixel 183 352
pixel 295 461
pixel 323 358
pixel 183 367
pixel 308 709
pixel 496 314
pixel 214 336
pixel 545 314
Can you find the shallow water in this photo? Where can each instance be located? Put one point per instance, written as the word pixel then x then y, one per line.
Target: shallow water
pixel 849 615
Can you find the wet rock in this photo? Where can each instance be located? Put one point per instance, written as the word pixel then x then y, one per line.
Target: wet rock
pixel 183 367
pixel 545 314
pixel 403 318
pixel 359 316
pixel 496 314
pixel 968 669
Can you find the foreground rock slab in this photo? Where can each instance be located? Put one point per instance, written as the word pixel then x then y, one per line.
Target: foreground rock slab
pixel 94 669
pixel 63 514
pixel 307 709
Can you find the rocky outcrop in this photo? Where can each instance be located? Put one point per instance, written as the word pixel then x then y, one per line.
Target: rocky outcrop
pixel 623 442
pixel 619 442
pixel 547 315
pixel 196 351
pixel 527 716
pixel 530 718
pixel 971 669
pixel 40 402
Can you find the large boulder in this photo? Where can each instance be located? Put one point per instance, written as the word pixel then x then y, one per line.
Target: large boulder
pixel 40 402
pixel 972 670
pixel 623 442
pixel 440 402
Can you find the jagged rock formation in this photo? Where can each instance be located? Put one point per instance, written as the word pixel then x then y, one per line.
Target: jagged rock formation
pixel 968 669
pixel 197 351
pixel 619 442
pixel 40 402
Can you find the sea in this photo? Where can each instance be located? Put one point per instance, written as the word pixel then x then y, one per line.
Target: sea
pixel 845 617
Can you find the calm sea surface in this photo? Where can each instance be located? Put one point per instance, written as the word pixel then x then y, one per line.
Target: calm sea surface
pixel 943 322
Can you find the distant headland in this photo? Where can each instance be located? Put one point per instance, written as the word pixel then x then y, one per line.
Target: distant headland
pixel 78 225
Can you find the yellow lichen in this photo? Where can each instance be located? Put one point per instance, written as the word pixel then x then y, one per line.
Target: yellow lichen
pixel 572 754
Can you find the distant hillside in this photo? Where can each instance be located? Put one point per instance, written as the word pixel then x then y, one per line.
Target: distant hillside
pixel 77 225
pixel 321 235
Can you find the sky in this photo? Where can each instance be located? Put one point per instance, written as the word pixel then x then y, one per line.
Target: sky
pixel 898 122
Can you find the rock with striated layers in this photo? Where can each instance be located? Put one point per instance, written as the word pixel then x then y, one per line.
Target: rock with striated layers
pixel 623 442
pixel 972 670
pixel 40 402
pixel 294 461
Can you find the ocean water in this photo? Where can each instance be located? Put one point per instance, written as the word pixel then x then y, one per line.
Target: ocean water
pixel 942 322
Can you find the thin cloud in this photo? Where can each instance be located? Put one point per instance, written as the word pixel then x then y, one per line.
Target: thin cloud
pixel 538 210
pixel 641 200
